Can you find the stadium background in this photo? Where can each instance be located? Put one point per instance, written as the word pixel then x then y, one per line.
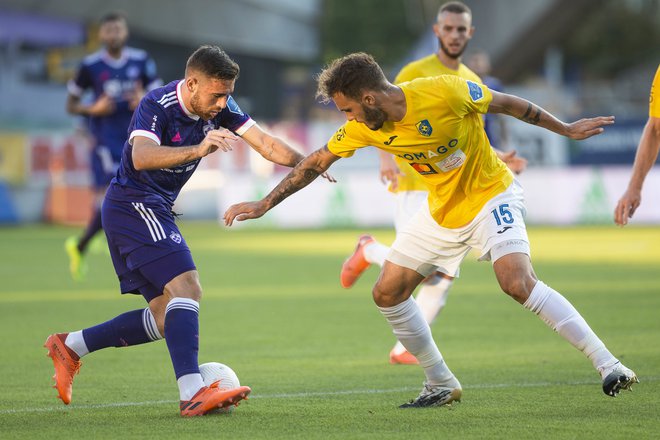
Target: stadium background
pixel 575 58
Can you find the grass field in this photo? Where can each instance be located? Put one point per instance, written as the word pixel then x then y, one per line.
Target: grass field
pixel 315 355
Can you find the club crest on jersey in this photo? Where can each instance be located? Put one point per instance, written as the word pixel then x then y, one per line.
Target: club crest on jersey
pixel 423 168
pixel 339 135
pixel 424 127
pixel 175 237
pixel 208 127
pixel 476 92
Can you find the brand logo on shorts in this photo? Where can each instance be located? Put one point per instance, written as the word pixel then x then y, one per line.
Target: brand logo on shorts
pixel 175 237
pixel 504 229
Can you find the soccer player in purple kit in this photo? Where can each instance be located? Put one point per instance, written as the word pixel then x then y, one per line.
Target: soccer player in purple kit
pixel 118 76
pixel 173 128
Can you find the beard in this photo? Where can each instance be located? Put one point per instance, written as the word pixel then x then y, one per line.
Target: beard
pixel 197 108
pixel 449 54
pixel 374 118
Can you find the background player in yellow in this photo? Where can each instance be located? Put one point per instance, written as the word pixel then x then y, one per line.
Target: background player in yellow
pixel 474 202
pixel 647 153
pixel 453 29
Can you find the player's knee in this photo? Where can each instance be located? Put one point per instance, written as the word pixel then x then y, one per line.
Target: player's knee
pixel 185 285
pixel 388 296
pixel 518 287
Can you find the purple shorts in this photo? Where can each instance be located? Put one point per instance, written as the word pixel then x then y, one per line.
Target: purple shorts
pixel 146 246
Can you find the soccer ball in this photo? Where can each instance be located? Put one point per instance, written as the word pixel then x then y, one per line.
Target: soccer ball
pixel 215 371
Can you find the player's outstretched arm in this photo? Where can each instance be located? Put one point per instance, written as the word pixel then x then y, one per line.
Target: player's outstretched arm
pixel 533 114
pixel 302 175
pixel 647 153
pixel 275 149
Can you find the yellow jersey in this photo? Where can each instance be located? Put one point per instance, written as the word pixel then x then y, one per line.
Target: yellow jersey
pixel 431 65
pixel 654 104
pixel 442 138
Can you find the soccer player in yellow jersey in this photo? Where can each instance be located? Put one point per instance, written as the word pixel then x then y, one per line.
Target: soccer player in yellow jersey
pixel 474 202
pixel 647 153
pixel 454 29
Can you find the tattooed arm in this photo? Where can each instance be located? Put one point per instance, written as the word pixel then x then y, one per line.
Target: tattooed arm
pixel 533 114
pixel 302 175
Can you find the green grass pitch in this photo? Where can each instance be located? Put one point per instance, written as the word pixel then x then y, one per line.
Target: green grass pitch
pixel 315 354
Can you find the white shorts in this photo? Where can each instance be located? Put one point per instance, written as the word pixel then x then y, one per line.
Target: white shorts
pixel 407 205
pixel 497 230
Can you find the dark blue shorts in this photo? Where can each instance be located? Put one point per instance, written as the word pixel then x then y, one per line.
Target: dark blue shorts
pixel 104 166
pixel 146 246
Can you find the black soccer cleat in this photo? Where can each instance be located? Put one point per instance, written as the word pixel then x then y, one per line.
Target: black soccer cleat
pixel 620 378
pixel 434 395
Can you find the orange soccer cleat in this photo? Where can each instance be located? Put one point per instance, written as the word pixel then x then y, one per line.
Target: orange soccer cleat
pixel 211 398
pixel 66 363
pixel 356 264
pixel 405 358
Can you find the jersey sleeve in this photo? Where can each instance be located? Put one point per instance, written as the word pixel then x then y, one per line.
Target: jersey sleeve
pixel 654 96
pixel 346 140
pixel 81 82
pixel 464 96
pixel 234 119
pixel 149 120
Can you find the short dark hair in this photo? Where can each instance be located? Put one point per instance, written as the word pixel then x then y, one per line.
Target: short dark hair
pixel 350 75
pixel 455 8
pixel 113 16
pixel 213 62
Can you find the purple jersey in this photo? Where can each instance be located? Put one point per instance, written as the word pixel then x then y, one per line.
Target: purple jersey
pixel 119 79
pixel 162 117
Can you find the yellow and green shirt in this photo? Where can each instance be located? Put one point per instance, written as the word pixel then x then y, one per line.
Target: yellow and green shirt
pixel 431 65
pixel 441 137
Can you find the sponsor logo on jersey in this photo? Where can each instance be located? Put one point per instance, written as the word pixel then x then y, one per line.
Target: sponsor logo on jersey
pixel 175 237
pixel 476 92
pixel 423 168
pixel 390 140
pixel 424 127
pixel 451 162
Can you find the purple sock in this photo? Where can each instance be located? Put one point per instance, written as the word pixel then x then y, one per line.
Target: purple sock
pixel 93 227
pixel 131 328
pixel 182 335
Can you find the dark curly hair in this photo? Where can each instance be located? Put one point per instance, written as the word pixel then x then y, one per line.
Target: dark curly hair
pixel 350 75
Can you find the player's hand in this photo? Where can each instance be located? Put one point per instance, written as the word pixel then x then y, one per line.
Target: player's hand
pixel 134 98
pixel 585 128
pixel 216 139
pixel 244 211
pixel 389 171
pixel 515 163
pixel 328 177
pixel 628 204
pixel 103 106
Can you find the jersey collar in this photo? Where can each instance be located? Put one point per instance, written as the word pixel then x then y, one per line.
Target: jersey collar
pixel 181 104
pixel 115 63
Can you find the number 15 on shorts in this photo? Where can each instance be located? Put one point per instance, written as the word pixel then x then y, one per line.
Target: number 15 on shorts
pixel 502 214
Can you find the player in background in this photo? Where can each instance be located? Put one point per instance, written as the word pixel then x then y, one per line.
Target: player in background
pixel 173 128
pixel 453 29
pixel 647 153
pixel 474 202
pixel 118 77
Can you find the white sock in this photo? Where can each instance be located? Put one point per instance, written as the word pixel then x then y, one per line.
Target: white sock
pixel 189 384
pixel 375 253
pixel 409 327
pixel 431 298
pixel 76 342
pixel 561 316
